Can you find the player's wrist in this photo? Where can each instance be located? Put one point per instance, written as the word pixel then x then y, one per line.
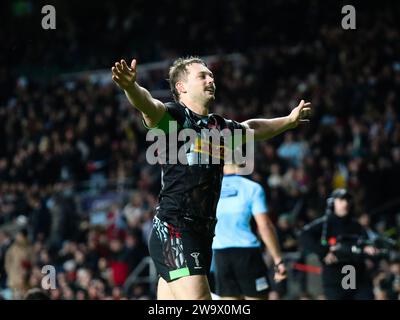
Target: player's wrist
pixel 132 88
pixel 291 121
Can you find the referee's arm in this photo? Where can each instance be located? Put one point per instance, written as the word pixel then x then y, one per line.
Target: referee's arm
pixel 268 235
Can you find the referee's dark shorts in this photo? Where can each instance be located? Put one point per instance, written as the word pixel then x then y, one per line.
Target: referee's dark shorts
pixel 240 272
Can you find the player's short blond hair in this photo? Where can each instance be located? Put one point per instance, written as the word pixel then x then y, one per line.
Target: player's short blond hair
pixel 178 71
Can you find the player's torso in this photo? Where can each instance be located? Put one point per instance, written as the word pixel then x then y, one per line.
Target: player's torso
pixel 191 182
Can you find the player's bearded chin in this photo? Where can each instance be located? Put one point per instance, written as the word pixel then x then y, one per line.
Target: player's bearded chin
pixel 210 95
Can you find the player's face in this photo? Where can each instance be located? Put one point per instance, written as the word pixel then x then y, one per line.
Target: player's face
pixel 342 207
pixel 200 84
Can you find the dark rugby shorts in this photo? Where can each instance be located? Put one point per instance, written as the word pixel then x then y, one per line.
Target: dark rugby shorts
pixel 180 251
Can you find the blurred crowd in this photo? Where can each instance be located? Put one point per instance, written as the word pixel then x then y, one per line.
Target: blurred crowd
pixel 64 136
pixel 90 261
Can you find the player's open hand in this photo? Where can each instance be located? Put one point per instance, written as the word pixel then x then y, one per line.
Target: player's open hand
pixel 123 75
pixel 300 114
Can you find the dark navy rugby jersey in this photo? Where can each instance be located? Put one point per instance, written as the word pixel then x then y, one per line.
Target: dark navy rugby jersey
pixel 191 189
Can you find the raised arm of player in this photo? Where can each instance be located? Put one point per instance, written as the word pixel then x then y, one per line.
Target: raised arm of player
pixel 268 128
pixel 125 77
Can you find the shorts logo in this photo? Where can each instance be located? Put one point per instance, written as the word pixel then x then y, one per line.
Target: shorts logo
pixel 195 255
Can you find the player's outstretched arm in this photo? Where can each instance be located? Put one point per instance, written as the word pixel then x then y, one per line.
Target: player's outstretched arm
pixel 268 128
pixel 125 77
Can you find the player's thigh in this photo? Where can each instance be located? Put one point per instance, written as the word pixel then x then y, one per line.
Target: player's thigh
pixel 194 287
pixel 163 290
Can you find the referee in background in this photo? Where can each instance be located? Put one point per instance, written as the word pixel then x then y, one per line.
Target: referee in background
pixel 239 269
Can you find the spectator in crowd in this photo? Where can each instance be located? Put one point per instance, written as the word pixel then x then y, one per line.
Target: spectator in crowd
pixel 18 261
